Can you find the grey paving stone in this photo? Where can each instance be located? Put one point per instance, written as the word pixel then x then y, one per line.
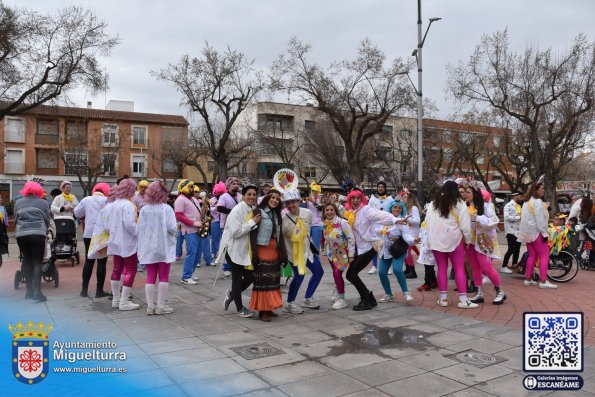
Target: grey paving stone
pixel 234 337
pixel 289 373
pixel 395 322
pixel 367 393
pixel 204 370
pixel 171 345
pixel 286 329
pixel 204 353
pixel 456 322
pixel 384 372
pixel 399 352
pixel 448 338
pixel 225 386
pixel 425 327
pixel 480 344
pixel 330 385
pixel 430 360
pixel 470 392
pixel 345 330
pixel 319 349
pixel 513 357
pixel 471 375
pixel 288 356
pixel 372 315
pixel 512 337
pixel 427 385
pixel 272 392
pixel 352 360
pixel 484 329
pixel 148 335
pixel 295 339
pixel 509 385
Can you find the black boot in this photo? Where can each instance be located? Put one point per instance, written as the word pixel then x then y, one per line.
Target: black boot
pixel 101 294
pixel 373 300
pixel 364 303
pixel 84 293
pixel 412 273
pixel 407 270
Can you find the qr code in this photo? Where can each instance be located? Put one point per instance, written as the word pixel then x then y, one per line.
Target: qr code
pixel 553 342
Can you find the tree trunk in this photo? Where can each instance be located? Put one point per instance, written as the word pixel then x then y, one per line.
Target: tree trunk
pixel 222 166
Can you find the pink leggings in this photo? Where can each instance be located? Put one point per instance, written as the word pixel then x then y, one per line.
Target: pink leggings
pixel 482 264
pixel 538 249
pixel 457 258
pixel 129 264
pixel 338 276
pixel 153 268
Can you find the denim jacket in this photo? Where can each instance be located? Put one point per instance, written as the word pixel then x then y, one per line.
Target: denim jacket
pixel 265 228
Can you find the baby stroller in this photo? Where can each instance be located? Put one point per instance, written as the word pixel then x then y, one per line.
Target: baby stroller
pixel 589 263
pixel 64 246
pixel 49 272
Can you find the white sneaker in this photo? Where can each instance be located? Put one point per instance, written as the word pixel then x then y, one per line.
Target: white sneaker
pixel 339 304
pixel 547 285
pixel 115 303
pixel 310 304
pixel 293 308
pixel 195 278
pixel 386 298
pixel 506 270
pixel 372 270
pixel 442 302
pixel 127 305
pixel 529 283
pixel 486 280
pixel 467 305
pixel 163 309
pixel 188 281
pixel 150 310
pixel 408 296
pixel 334 296
pixel 390 271
pixel 226 273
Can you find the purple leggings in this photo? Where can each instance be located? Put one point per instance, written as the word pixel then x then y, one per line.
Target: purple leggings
pixel 129 264
pixel 338 276
pixel 153 268
pixel 409 257
pixel 538 249
pixel 457 258
pixel 481 264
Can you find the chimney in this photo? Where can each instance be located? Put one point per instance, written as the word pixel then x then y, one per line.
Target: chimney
pixel 89 105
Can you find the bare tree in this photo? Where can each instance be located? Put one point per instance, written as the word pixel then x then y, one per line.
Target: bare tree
pixel 42 57
pixel 550 97
pixel 217 86
pixel 169 160
pixel 357 95
pixel 325 148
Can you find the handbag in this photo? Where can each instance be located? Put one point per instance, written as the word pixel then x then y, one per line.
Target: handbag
pixel 398 248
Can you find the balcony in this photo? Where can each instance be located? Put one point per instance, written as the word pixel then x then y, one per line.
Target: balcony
pixel 41 139
pixel 14 168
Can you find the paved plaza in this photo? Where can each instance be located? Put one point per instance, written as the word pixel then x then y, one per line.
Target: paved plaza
pixel 396 349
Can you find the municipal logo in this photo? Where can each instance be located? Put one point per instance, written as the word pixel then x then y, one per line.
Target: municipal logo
pixel 30 351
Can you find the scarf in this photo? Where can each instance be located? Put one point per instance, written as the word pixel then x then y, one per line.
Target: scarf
pixel 68 197
pixel 349 215
pixel 251 266
pixel 135 211
pixel 1 215
pixel 297 243
pixel 384 196
pixel 518 208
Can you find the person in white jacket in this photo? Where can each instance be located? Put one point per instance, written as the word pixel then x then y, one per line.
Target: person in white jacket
pixel 512 222
pixel 90 209
pixel 123 242
pixel 157 245
pixel 65 203
pixel 533 231
pixel 449 231
pixel 235 248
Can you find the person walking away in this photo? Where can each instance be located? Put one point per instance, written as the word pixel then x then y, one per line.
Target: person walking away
pixel 225 204
pixel 156 245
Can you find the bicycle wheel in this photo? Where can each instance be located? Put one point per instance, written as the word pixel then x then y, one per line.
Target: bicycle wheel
pixel 562 267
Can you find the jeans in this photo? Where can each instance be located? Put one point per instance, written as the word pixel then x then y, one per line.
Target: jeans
pixel 397 265
pixel 296 282
pixel 216 233
pixel 191 259
pixel 179 243
pixel 204 249
pixel 359 264
pixel 514 249
pixel 241 278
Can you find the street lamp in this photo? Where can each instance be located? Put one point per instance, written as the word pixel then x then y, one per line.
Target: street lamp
pixel 420 135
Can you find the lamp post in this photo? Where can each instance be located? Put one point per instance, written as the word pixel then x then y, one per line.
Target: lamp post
pixel 419 92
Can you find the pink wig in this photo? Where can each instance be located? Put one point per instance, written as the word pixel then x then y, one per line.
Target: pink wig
pixel 156 193
pixel 126 189
pixel 32 189
pixel 219 189
pixel 352 194
pixel 486 196
pixel 112 193
pixel 101 187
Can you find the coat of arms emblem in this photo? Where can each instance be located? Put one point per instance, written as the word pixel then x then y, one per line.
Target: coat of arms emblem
pixel 30 351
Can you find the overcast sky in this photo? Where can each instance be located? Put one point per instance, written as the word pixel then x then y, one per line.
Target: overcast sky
pixel 155 33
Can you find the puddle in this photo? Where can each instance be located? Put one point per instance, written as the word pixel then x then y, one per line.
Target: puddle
pixel 374 338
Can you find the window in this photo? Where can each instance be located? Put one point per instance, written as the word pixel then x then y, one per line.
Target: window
pixel 275 122
pixel 173 134
pixel 267 170
pixel 110 134
pixel 169 166
pixel 309 125
pixel 138 165
pixel 76 130
pixel 496 141
pixel 210 166
pixel 75 161
pixel 110 163
pixel 447 155
pixel 139 136
pixel 47 127
pixel 387 129
pixel 446 136
pixel 385 153
pixel 14 129
pixel 14 161
pixel 310 172
pixel 47 159
pixel 405 134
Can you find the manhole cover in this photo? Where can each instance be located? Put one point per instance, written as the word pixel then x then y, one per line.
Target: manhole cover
pixel 476 358
pixel 259 350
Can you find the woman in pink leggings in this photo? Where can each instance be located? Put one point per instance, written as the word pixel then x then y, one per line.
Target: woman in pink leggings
pixel 157 245
pixel 484 244
pixel 449 229
pixel 339 245
pixel 533 231
pixel 122 245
